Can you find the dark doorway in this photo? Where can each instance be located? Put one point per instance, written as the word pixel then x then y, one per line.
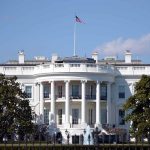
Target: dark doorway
pixel 75 139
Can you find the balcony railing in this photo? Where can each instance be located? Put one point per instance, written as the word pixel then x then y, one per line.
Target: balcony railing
pixel 75 96
pixel 87 97
pixel 60 96
pixel 91 97
pixel 75 67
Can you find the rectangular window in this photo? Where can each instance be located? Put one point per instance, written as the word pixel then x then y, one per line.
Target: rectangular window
pixel 121 117
pixel 103 92
pixel 59 116
pixel 59 91
pixel 28 91
pixel 46 116
pixel 75 116
pixel 103 116
pixel 75 91
pixel 92 92
pixel 121 91
pixel 90 116
pixel 46 91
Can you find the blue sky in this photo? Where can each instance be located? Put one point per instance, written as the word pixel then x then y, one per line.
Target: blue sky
pixel 43 27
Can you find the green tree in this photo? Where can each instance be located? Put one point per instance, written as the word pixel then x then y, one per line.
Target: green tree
pixel 15 112
pixel 138 107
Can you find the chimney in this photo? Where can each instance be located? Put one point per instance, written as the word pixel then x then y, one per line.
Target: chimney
pixel 95 56
pixel 54 58
pixel 21 57
pixel 128 56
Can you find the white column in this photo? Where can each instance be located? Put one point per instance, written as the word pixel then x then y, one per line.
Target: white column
pixel 37 98
pixel 98 106
pixel 67 106
pixel 108 103
pixel 53 98
pixel 83 104
pixel 41 104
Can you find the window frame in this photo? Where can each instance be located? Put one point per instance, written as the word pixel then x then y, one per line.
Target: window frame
pixel 31 96
pixel 121 114
pixel 75 90
pixel 46 94
pixel 60 115
pixel 103 95
pixel 75 116
pixel 46 116
pixel 121 93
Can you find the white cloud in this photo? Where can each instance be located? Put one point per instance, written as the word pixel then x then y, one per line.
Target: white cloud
pixel 139 46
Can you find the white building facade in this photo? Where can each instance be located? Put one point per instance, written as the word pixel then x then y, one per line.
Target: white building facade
pixel 77 91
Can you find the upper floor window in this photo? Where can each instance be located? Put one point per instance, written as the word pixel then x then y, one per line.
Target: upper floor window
pixel 121 91
pixel 75 90
pixel 59 91
pixel 103 92
pixel 46 91
pixel 91 93
pixel 28 91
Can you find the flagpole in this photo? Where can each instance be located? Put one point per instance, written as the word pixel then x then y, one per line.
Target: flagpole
pixel 74 39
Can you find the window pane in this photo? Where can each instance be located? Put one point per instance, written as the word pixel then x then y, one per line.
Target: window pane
pixel 75 116
pixel 60 91
pixel 46 116
pixel 121 91
pixel 91 94
pixel 90 116
pixel 46 91
pixel 28 91
pixel 75 90
pixel 103 92
pixel 121 117
pixel 59 116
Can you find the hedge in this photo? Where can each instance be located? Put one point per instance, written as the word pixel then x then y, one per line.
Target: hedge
pixel 75 147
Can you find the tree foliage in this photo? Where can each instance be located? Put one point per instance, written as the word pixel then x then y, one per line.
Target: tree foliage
pixel 15 112
pixel 138 107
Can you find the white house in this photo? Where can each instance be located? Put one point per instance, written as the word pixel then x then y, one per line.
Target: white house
pixel 78 91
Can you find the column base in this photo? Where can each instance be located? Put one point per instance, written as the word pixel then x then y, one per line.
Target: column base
pixel 83 125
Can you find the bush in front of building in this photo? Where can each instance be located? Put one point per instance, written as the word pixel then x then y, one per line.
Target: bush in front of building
pixel 75 147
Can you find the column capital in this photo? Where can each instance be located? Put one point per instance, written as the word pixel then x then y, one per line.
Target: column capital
pixel 37 83
pixel 67 81
pixel 83 81
pixel 98 81
pixel 51 81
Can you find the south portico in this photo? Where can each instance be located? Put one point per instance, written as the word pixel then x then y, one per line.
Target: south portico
pixel 78 104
